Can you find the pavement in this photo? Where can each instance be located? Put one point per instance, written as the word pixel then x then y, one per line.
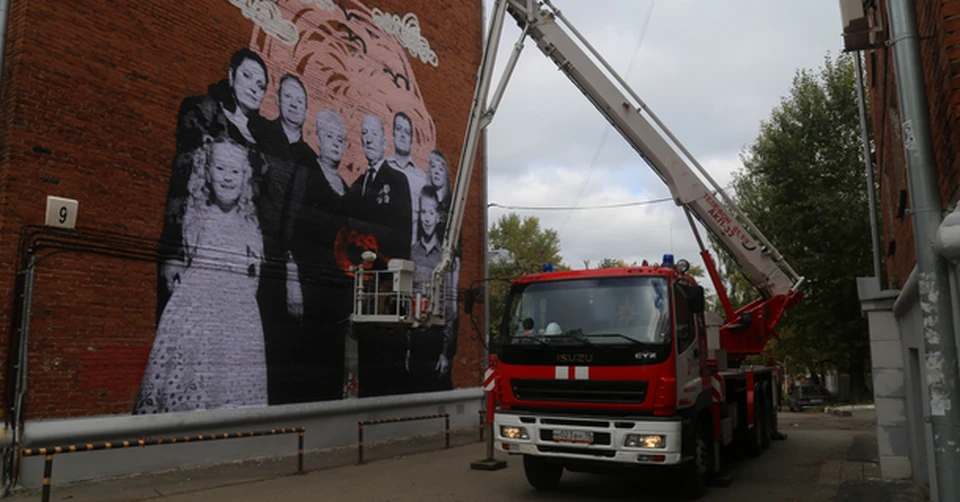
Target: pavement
pixel 825 458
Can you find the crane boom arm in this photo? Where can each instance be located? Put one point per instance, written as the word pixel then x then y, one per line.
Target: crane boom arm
pixel 624 111
pixel 627 113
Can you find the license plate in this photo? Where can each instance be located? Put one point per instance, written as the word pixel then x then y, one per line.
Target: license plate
pixel 583 437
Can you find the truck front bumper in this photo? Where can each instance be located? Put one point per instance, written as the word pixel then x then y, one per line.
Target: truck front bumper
pixel 593 438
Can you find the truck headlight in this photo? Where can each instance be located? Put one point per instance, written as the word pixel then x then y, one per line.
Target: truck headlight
pixel 645 441
pixel 511 432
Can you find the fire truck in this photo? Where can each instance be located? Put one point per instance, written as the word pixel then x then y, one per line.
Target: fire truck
pixel 611 369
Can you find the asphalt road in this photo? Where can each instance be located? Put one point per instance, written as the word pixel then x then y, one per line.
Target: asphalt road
pixel 813 464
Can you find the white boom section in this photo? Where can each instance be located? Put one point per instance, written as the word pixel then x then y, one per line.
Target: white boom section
pixel 626 113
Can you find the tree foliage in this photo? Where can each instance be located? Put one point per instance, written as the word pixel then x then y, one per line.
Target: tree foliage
pixel 802 184
pixel 523 247
pixel 695 270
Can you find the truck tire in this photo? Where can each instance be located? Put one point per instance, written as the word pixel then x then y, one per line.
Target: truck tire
pixel 766 412
pixel 541 474
pixel 696 475
pixel 755 436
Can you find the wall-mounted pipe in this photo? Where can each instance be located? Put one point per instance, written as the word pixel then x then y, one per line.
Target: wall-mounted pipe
pixel 939 340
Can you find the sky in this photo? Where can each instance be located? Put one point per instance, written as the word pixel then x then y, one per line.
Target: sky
pixel 711 71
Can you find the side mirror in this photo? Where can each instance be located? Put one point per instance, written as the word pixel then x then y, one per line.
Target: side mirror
pixel 695 300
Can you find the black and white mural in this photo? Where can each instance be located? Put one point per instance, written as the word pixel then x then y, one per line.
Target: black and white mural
pixel 314 146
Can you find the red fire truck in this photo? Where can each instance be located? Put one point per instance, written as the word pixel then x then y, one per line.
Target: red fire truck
pixel 600 370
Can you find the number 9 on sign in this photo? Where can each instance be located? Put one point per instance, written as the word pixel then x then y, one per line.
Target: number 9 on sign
pixel 61 213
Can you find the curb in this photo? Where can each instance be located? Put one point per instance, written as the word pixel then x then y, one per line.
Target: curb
pixel 847 410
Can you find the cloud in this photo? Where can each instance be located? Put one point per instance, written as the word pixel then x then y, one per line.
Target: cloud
pixel 711 71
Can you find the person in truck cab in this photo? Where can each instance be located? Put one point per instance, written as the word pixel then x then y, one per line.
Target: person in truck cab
pixel 528 326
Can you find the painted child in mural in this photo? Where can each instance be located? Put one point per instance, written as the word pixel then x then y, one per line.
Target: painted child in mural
pixel 431 351
pixel 209 352
pixel 230 109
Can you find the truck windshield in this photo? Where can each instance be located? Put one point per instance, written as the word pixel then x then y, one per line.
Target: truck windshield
pixel 602 310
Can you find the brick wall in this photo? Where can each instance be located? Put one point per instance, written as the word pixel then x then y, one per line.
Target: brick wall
pixel 90 97
pixel 939 28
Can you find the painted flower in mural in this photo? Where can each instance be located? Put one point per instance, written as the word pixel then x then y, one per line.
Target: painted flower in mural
pixel 350 64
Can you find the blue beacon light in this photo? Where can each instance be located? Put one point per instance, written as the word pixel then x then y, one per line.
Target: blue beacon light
pixel 548 267
pixel 667 260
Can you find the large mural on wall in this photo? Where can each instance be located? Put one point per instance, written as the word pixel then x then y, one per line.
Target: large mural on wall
pixel 315 146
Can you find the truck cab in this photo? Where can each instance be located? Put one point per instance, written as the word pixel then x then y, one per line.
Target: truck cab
pixel 603 366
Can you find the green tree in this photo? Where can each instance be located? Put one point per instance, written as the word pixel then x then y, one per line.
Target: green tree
pixel 614 263
pixel 519 247
pixel 695 270
pixel 802 184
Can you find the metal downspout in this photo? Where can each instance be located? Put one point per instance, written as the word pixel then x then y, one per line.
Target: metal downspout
pixel 12 456
pixel 932 269
pixel 871 190
pixel 486 232
pixel 4 17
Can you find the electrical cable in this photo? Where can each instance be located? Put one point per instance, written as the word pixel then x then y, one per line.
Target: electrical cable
pixel 606 130
pixel 581 208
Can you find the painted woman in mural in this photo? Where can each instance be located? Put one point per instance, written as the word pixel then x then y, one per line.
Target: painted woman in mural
pixel 319 368
pixel 230 109
pixel 209 351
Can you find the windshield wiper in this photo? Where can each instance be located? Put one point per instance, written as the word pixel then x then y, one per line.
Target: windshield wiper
pixel 620 335
pixel 577 334
pixel 521 340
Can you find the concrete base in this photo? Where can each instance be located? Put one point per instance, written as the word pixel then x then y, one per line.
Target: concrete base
pixel 488 464
pixel 329 425
pixel 895 467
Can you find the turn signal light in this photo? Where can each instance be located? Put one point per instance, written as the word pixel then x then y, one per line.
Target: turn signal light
pixel 666 400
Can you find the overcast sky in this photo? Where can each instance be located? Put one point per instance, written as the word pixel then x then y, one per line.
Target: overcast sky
pixel 710 70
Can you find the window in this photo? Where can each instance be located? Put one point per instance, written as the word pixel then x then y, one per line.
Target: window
pixel 610 309
pixel 686 329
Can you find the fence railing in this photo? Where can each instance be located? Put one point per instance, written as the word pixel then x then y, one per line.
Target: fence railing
pixel 49 452
pixel 360 424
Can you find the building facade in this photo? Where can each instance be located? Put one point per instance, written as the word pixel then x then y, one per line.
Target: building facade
pixel 892 304
pixel 219 167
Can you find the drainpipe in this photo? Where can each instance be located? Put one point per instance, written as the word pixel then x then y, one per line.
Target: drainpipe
pixel 4 16
pixel 932 269
pixel 486 231
pixel 871 190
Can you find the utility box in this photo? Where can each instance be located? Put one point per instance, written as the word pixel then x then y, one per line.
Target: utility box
pixel 403 271
pixel 858 35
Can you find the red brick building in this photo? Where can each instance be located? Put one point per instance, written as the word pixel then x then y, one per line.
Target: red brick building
pixel 939 29
pixel 96 107
pixel 908 369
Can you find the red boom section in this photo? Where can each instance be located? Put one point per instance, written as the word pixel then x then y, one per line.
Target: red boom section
pixel 747 330
pixel 752 325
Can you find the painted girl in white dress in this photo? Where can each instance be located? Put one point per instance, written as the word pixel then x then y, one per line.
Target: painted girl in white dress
pixel 209 350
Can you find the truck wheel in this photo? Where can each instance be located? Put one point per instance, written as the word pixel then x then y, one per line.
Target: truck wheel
pixel 766 414
pixel 694 481
pixel 541 474
pixel 755 436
